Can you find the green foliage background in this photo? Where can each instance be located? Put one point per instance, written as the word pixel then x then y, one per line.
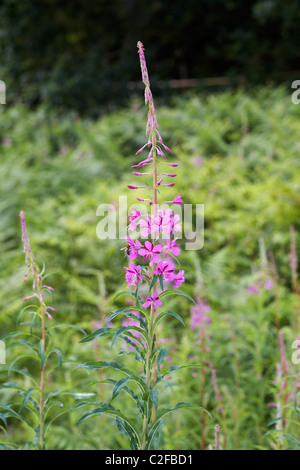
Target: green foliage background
pixel 238 155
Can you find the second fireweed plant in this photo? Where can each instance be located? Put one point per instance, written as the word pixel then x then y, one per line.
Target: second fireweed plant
pixel 139 329
pixel 34 406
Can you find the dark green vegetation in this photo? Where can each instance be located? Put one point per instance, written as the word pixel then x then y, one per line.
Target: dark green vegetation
pixel 238 155
pixel 82 59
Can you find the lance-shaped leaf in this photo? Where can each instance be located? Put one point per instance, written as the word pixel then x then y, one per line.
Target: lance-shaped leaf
pixel 139 354
pixel 119 385
pixel 153 281
pixel 115 366
pixel 128 329
pixel 154 398
pixel 176 292
pixel 126 292
pixel 126 389
pixel 127 314
pixel 169 312
pixel 26 398
pixel 109 410
pixel 58 353
pixel 111 315
pixel 125 429
pixel 163 412
pixel 175 368
pixel 98 334
pixel 161 282
pixel 10 413
pixel 161 357
pixel 68 325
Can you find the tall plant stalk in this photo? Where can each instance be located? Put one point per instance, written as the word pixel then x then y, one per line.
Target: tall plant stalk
pixel 140 331
pixel 38 288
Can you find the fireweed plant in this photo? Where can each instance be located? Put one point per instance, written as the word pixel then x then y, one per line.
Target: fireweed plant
pixel 151 264
pixel 35 407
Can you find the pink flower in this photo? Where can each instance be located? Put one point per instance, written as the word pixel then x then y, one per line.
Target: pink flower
pixel 199 315
pixel 179 278
pixel 172 247
pixel 175 224
pixel 268 284
pixel 151 251
pixel 165 340
pixel 133 275
pixel 152 301
pixel 169 164
pixel 253 289
pixel 165 270
pixel 198 161
pixel 133 219
pixel 136 187
pixel 29 257
pixel 48 287
pixel 163 222
pixel 177 200
pixel 50 308
pixel 30 297
pixel 172 175
pixel 134 246
pixel 145 226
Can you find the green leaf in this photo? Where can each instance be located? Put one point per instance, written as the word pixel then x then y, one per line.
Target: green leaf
pixel 141 321
pixel 153 282
pixel 69 325
pixel 20 371
pixel 127 390
pixel 119 332
pixel 139 309
pixel 11 386
pixel 163 412
pixel 115 366
pixel 160 358
pixel 22 356
pixel 161 282
pixel 154 398
pixel 98 334
pixel 125 429
pixel 100 365
pixel 169 312
pixel 109 410
pixel 13 414
pixel 11 335
pixel 56 416
pixel 118 387
pixel 139 354
pixel 175 368
pixel 127 292
pixel 176 292
pixel 152 433
pixel 58 353
pixel 26 398
pixel 124 311
pixel 111 315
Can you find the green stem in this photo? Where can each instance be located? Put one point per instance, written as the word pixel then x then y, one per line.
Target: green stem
pixel 148 381
pixel 42 379
pixel 147 401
